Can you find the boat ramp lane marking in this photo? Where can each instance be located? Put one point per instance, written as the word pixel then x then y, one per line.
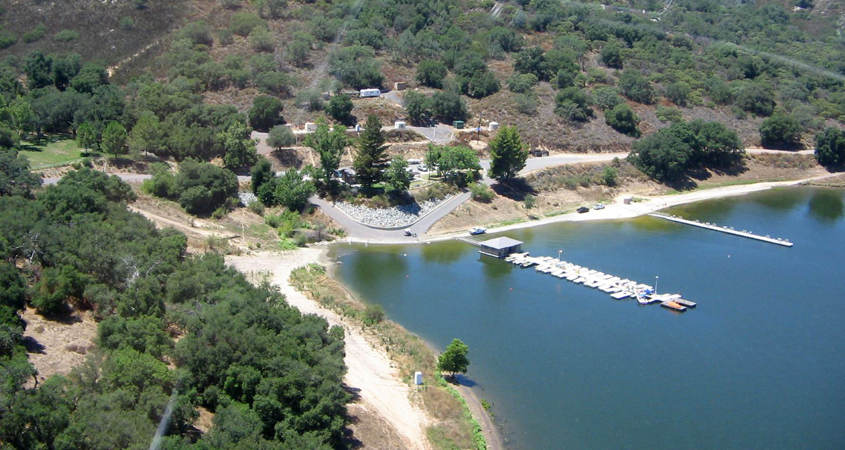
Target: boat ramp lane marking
pixel 616 287
pixel 723 229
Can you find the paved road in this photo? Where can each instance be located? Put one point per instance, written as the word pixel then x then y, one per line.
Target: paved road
pixel 359 232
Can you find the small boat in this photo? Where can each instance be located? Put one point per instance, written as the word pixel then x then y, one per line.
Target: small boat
pixel 477 230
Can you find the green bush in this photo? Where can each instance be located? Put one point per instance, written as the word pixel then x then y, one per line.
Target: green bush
pixel 7 39
pixel 623 119
pixel 66 36
pixel 243 23
pixel 481 192
pixel 35 35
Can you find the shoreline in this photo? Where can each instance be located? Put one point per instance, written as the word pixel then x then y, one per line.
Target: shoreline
pixel 615 211
pixel 370 368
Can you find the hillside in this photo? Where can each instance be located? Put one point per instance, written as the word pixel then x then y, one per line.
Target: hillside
pixel 552 68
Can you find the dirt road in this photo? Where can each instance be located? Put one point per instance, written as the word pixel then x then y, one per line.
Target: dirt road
pixel 370 372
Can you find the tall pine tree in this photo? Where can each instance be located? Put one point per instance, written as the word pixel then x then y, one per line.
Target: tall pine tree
pixel 371 158
pixel 508 154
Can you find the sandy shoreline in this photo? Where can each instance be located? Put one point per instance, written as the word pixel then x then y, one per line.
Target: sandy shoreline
pixel 618 210
pixel 370 371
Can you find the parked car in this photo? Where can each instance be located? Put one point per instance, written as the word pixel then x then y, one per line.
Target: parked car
pixel 598 206
pixel 477 230
pixel 582 210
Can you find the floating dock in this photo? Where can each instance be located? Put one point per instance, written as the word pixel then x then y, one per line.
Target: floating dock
pixel 723 229
pixel 616 287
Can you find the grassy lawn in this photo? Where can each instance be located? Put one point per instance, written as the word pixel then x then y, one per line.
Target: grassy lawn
pixel 52 150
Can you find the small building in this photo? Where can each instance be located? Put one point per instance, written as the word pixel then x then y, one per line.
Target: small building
pixel 347 174
pixel 458 124
pixel 399 86
pixel 310 127
pixel 500 247
pixel 492 126
pixel 369 93
pixel 399 125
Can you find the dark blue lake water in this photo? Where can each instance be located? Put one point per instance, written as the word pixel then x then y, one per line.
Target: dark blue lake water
pixel 759 364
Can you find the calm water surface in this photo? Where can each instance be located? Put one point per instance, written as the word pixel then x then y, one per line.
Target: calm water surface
pixel 759 364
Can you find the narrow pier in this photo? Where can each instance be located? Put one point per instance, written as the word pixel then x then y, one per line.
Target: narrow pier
pixel 616 287
pixel 723 229
pixel 470 240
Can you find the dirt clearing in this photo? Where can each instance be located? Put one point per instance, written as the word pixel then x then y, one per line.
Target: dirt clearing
pixel 56 347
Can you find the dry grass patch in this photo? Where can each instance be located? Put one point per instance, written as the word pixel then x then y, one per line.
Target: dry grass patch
pixel 57 346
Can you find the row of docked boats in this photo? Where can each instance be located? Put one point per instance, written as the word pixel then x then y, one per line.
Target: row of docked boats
pixel 618 288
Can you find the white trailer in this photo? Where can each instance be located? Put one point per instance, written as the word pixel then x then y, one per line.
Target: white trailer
pixel 369 93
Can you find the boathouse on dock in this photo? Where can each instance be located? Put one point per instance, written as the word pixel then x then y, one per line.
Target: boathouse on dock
pixel 500 247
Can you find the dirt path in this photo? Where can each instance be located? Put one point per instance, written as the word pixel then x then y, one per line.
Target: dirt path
pixel 165 222
pixel 370 372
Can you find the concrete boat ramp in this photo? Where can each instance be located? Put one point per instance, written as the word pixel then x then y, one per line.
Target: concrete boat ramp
pixel 618 288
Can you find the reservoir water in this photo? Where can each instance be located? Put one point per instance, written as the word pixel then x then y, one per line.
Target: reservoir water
pixel 759 364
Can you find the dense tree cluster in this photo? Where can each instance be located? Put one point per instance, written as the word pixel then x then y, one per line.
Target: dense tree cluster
pixel 667 154
pixel 455 163
pixel 272 376
pixel 199 187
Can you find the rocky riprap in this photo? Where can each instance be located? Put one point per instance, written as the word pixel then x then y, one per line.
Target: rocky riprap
pixel 397 216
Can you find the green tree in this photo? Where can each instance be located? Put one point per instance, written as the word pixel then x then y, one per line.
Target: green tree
pixel 431 73
pixel 634 86
pixel 280 137
pixel 418 108
pixel 756 98
pixel 830 147
pixel 573 104
pixel 15 176
pixel 146 135
pixel 396 177
pixel 623 119
pixel 340 107
pixel 38 70
pixel 114 138
pixel 371 157
pixel 678 93
pixel 448 106
pixel 12 287
pixel 265 112
pixel 329 144
pixel 611 55
pixel 261 173
pixel 508 154
pixel 239 146
pixel 204 187
pixel 664 155
pixel 292 191
pixel 533 60
pixel 454 360
pixel 780 130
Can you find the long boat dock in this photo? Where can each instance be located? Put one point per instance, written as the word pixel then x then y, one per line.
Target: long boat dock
pixel 616 287
pixel 723 229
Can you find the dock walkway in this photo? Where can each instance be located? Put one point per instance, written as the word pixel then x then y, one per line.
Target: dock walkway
pixel 723 229
pixel 616 287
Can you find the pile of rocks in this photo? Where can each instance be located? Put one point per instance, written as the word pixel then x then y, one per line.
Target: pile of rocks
pixel 246 198
pixel 397 216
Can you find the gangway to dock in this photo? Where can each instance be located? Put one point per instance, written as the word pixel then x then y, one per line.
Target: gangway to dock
pixel 723 229
pixel 470 240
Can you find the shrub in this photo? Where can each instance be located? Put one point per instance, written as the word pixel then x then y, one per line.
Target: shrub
pixel 66 36
pixel 198 33
pixel 481 192
pixel 634 86
pixel 7 39
pixel 373 315
pixel 606 97
pixel 757 99
pixel 431 73
pixel 340 107
pixel 127 23
pixel 573 104
pixel 830 147
pixel 665 114
pixel 522 82
pixel 35 35
pixel 526 103
pixel 280 137
pixel 623 119
pixel 530 201
pixel 243 23
pixel 261 40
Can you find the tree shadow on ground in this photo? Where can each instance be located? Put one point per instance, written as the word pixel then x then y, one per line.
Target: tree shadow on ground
pixel 784 146
pixel 32 345
pixel 287 158
pixel 515 189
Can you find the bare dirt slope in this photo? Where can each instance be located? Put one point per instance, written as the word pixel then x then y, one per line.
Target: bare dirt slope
pixel 56 347
pixel 371 375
